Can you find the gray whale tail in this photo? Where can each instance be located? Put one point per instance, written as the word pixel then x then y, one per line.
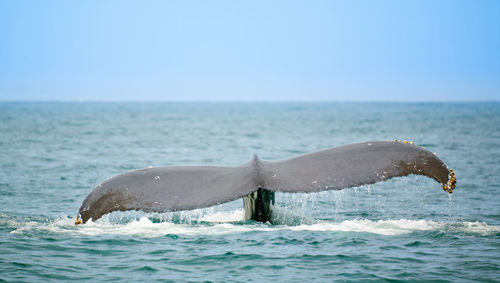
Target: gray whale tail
pixel 176 188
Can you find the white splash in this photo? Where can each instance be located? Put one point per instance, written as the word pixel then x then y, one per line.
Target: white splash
pixel 231 222
pixel 382 227
pixel 479 228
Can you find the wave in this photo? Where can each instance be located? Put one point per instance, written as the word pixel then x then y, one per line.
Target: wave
pixel 227 222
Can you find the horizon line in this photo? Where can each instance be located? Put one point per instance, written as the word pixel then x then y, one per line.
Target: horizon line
pixel 241 101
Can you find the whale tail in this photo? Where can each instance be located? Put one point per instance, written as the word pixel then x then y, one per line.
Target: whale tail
pixel 178 188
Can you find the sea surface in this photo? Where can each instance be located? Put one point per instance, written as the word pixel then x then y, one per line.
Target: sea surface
pixel 405 229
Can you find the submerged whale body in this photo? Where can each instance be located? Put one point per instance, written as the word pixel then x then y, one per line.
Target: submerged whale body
pixel 176 188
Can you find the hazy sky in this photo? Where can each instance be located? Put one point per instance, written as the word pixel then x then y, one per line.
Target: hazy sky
pixel 250 50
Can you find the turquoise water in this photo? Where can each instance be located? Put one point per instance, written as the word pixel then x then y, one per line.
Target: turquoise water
pixel 53 154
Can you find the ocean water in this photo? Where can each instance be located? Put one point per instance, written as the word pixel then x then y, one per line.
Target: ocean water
pixel 404 229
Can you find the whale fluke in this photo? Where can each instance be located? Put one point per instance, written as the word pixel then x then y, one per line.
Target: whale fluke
pixel 176 188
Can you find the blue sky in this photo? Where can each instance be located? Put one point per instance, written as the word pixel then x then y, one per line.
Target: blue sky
pixel 250 50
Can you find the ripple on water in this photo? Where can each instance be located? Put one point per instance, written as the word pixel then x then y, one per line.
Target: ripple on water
pixel 401 230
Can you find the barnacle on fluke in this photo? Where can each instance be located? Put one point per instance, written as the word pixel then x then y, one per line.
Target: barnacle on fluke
pixel 450 186
pixel 78 219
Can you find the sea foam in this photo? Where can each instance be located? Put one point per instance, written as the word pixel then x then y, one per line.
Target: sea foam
pixel 227 222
